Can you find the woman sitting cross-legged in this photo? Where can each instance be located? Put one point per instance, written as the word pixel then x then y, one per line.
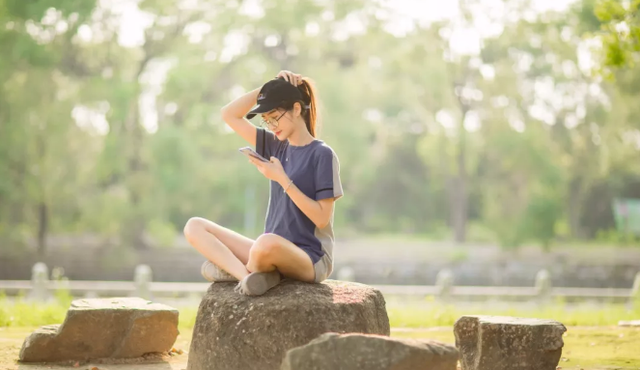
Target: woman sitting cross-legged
pixel 305 182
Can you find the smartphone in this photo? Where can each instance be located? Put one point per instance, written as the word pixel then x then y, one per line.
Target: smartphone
pixel 249 152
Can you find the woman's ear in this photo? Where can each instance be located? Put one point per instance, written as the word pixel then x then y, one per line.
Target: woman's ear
pixel 297 109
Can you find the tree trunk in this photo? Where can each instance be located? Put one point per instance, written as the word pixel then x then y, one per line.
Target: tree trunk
pixel 460 198
pixel 575 208
pixel 43 227
pixel 135 132
pixel 43 219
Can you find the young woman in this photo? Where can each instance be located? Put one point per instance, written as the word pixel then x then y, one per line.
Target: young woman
pixel 305 181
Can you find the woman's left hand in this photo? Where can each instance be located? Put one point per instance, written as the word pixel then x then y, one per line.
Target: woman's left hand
pixel 272 170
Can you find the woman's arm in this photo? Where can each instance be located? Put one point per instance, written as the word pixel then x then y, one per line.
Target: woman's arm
pixel 318 211
pixel 234 112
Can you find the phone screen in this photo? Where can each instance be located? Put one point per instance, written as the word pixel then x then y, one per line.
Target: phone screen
pixel 252 153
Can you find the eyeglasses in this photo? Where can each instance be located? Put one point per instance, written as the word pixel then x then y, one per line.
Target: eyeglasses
pixel 271 122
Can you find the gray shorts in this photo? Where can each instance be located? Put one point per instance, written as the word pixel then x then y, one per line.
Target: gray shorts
pixel 323 268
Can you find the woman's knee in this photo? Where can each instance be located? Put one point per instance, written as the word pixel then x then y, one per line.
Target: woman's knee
pixel 193 226
pixel 265 248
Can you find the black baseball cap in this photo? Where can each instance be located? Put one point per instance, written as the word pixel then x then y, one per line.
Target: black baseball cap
pixel 275 94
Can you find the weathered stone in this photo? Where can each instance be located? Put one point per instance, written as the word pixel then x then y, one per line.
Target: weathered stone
pixel 104 328
pixel 508 343
pixel 632 323
pixel 332 351
pixel 238 332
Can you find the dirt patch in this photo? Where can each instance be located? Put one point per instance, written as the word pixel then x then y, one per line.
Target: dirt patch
pixel 588 348
pixel 11 341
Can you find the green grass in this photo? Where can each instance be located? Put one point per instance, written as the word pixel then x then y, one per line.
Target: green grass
pixel 431 314
pixel 402 313
pixel 23 313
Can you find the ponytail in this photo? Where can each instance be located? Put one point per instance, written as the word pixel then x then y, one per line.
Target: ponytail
pixel 310 112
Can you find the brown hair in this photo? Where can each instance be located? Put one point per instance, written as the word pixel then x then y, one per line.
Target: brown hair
pixel 309 105
pixel 309 113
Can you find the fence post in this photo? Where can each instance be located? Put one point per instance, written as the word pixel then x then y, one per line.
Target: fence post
pixel 635 290
pixel 346 274
pixel 543 285
pixel 444 284
pixel 39 282
pixel 142 279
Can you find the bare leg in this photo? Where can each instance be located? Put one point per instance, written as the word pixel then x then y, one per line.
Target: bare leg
pixel 271 252
pixel 225 248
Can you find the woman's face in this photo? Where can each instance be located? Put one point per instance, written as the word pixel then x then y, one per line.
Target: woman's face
pixel 279 122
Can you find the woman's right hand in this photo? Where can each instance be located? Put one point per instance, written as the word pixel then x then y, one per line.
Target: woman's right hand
pixel 294 78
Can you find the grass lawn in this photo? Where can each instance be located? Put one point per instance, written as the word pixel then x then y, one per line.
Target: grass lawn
pixel 593 340
pixel 429 313
pixel 403 312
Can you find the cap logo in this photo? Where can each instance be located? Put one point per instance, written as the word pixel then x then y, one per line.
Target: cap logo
pixel 262 97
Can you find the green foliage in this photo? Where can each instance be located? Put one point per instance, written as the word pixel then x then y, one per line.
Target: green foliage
pixel 163 233
pixel 615 237
pixel 620 31
pixel 480 233
pixel 147 149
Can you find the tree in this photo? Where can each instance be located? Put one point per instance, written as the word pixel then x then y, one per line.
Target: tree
pixel 36 92
pixel 620 32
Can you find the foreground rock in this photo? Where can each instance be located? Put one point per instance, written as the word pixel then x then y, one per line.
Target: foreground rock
pixel 237 332
pixel 508 343
pixel 370 352
pixel 632 323
pixel 104 328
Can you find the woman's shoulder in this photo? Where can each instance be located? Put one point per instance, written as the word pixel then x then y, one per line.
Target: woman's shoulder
pixel 322 149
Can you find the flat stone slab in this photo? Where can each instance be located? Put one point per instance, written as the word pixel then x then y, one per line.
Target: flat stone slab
pixel 104 328
pixel 508 343
pixel 333 351
pixel 632 323
pixel 238 332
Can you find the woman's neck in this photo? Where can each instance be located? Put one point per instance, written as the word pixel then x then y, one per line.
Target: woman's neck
pixel 300 137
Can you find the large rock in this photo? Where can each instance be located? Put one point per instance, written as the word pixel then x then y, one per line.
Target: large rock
pixel 332 351
pixel 508 343
pixel 104 328
pixel 237 332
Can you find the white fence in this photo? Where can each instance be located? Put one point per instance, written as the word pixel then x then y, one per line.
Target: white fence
pixel 40 288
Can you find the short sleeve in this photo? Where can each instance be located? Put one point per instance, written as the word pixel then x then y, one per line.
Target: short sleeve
pixel 327 176
pixel 266 143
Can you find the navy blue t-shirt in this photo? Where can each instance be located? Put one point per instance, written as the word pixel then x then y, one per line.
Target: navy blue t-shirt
pixel 315 170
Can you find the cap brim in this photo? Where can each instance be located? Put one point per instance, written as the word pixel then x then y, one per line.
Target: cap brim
pixel 261 108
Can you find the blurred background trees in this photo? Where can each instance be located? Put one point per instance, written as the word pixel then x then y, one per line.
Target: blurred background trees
pixel 486 121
